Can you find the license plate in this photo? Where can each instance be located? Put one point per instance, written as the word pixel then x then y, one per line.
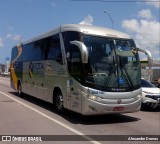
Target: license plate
pixel 118 108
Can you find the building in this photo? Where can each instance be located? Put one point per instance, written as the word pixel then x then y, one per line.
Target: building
pixel 154 73
pixel 2 68
pixel 7 64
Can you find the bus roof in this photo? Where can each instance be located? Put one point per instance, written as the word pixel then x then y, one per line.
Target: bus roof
pixel 86 29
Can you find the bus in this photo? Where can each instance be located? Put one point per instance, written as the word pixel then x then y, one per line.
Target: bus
pixel 86 69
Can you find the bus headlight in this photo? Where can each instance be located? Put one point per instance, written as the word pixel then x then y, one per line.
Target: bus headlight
pixel 94 98
pixel 138 97
pixel 91 97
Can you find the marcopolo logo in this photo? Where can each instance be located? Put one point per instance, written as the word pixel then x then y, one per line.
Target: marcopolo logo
pixel 119 101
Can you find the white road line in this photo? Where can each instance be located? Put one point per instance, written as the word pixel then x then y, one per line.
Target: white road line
pixel 52 119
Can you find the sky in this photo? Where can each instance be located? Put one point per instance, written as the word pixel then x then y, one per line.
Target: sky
pixel 21 20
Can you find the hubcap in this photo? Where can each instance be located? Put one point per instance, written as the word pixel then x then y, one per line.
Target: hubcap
pixel 59 102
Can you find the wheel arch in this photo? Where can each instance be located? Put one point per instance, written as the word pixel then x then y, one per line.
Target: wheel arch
pixel 55 91
pixel 19 81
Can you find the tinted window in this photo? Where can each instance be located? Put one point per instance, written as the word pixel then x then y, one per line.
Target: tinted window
pixel 14 53
pixel 29 52
pixel 34 51
pixel 75 65
pixel 54 49
pixel 70 36
pixel 38 50
pixel 145 83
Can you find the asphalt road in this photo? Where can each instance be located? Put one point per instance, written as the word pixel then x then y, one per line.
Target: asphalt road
pixel 29 116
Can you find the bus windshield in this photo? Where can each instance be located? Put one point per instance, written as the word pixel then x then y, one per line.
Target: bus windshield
pixel 113 64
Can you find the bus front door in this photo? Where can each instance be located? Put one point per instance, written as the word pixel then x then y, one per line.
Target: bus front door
pixel 73 96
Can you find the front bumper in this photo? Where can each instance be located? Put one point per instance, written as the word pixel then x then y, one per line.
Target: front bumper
pixel 151 100
pixel 90 107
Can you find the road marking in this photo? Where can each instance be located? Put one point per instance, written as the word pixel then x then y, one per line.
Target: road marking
pixel 52 119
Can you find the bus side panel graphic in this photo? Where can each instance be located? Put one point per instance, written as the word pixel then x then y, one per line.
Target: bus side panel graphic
pixel 14 78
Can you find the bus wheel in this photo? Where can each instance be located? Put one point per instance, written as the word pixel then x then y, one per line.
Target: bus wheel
pixel 58 103
pixel 19 89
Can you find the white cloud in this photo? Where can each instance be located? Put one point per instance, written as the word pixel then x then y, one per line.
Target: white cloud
pixel 87 21
pixel 14 37
pixel 1 42
pixel 145 32
pixel 17 38
pixel 154 3
pixel 131 25
pixel 145 13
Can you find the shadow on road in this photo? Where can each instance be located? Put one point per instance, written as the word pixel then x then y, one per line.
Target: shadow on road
pixel 100 119
pixel 76 118
pixel 149 109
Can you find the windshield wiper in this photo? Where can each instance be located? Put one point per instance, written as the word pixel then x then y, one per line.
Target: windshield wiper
pixel 126 74
pixel 113 70
pixel 115 67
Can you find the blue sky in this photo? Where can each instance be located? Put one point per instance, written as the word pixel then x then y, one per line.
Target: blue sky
pixel 30 18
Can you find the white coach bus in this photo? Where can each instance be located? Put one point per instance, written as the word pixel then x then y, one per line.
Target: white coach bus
pixel 87 69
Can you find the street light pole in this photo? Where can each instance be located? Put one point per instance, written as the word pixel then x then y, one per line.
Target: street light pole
pixel 109 17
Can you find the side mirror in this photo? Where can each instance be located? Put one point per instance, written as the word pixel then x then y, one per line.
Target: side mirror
pixel 149 55
pixel 83 50
pixel 150 61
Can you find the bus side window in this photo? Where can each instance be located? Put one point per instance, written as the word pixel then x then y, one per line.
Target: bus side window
pixel 54 49
pixel 14 53
pixel 38 50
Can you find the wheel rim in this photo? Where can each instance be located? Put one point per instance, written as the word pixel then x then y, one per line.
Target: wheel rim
pixel 59 102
